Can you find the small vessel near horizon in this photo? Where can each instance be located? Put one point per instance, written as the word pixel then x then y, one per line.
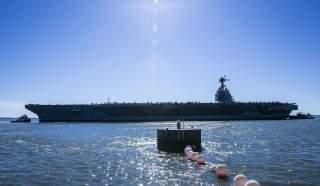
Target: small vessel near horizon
pixel 224 108
pixel 22 119
pixel 301 115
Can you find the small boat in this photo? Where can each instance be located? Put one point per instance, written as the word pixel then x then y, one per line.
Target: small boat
pixel 22 119
pixel 301 115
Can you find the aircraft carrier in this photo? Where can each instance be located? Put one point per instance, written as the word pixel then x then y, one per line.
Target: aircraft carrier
pixel 224 108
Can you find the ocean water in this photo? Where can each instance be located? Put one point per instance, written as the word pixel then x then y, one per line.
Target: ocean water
pixel 272 152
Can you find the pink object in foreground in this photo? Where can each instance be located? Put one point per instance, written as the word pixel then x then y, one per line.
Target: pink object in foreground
pixel 194 156
pixel 221 170
pixel 200 160
pixel 252 183
pixel 239 180
pixel 191 155
pixel 187 149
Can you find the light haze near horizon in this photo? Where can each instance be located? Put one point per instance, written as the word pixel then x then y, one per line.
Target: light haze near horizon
pixel 78 51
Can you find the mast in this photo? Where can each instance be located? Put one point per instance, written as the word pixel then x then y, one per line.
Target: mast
pixel 223 95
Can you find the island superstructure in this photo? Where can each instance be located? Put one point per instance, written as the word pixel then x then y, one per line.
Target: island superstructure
pixel 224 108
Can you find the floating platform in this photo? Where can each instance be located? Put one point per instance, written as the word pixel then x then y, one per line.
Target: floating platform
pixel 175 140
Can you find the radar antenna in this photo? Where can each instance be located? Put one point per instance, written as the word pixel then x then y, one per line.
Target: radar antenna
pixel 222 80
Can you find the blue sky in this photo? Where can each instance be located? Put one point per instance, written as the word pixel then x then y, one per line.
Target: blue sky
pixel 80 51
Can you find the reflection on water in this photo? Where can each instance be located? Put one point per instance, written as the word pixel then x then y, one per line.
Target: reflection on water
pixel 273 152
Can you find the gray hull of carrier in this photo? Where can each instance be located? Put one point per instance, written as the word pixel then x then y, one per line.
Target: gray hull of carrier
pixel 225 108
pixel 162 112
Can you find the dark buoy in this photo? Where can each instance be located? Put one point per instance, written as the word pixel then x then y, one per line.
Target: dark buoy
pixel 175 140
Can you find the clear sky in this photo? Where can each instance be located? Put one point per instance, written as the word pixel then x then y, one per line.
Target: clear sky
pixel 83 51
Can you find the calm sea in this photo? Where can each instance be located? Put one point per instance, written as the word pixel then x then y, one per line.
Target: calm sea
pixel 272 152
